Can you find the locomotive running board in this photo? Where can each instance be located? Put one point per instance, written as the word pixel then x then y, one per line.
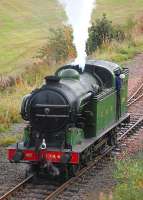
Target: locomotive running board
pixel 87 142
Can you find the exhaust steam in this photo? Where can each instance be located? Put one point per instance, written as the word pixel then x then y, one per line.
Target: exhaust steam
pixel 79 16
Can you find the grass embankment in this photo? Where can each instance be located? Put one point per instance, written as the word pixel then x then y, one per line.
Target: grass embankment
pixel 120 52
pixel 119 11
pixel 24 27
pixel 10 101
pixel 128 15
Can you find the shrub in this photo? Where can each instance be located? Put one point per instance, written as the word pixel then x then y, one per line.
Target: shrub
pixel 59 46
pixel 102 31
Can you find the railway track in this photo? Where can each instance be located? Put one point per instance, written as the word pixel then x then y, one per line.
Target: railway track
pixel 47 191
pixel 137 95
pixel 27 190
pixel 128 130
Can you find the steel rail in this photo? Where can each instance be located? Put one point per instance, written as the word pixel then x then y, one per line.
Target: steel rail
pixel 132 99
pixel 135 100
pixel 140 120
pixel 16 188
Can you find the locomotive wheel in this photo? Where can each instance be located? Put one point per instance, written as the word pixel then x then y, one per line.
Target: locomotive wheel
pixel 73 170
pixel 112 139
pixel 33 169
pixel 28 172
pixel 64 174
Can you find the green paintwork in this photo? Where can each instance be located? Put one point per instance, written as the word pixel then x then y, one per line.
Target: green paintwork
pixel 103 113
pixel 104 107
pixel 74 136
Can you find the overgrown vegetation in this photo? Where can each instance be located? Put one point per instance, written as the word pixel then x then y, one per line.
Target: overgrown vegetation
pixel 129 176
pixel 59 46
pixel 106 41
pixel 128 48
pixel 103 32
pixel 119 52
pixel 10 106
pixel 9 139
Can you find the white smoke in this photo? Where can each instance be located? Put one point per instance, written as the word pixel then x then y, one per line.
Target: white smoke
pixel 79 15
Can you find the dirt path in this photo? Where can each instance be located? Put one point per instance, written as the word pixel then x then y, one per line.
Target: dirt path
pixel 135 72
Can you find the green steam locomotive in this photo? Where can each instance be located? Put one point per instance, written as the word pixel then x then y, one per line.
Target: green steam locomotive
pixel 72 117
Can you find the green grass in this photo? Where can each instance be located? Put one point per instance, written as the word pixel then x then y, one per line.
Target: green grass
pixel 119 11
pixel 7 140
pixel 129 176
pixel 24 28
pixel 120 52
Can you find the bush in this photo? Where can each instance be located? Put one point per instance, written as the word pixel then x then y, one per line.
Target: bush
pixel 59 46
pixel 103 32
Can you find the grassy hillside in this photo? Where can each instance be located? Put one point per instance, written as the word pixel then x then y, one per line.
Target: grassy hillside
pixel 119 11
pixel 24 26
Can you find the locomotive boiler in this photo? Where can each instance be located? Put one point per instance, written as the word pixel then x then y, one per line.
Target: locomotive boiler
pixel 72 116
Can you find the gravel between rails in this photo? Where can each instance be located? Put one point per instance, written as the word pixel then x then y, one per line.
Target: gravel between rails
pixel 11 174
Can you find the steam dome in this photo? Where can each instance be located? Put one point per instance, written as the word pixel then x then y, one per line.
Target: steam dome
pixel 69 74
